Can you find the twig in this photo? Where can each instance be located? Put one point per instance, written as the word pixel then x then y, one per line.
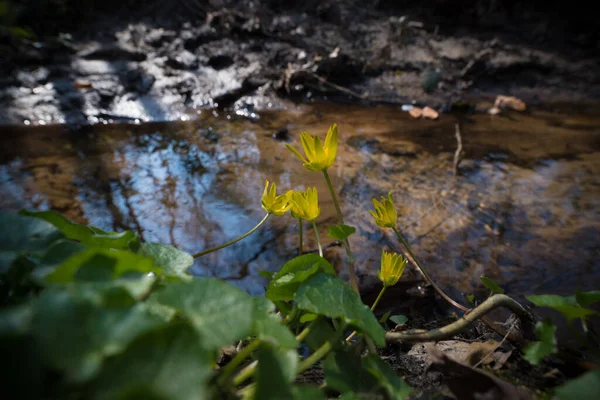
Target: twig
pixel 458 152
pixel 496 347
pixel 445 332
pixel 333 85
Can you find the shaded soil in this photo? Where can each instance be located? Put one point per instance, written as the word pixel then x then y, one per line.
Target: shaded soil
pixel 166 60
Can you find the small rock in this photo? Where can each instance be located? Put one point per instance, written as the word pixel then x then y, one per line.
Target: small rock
pixel 112 52
pixel 183 60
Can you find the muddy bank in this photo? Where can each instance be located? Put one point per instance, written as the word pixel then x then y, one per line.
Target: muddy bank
pixel 166 61
pixel 524 209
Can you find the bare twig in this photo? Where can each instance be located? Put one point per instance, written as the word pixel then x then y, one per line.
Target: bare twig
pixel 496 347
pixel 445 332
pixel 337 87
pixel 458 152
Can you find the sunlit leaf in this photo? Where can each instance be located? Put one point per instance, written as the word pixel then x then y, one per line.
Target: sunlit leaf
pixel 286 282
pixel 567 306
pixel 585 299
pixel 173 262
pixel 276 372
pixel 586 387
pixel 84 234
pixel 219 311
pixel 340 232
pixel 534 352
pixel 169 363
pixel 328 295
pixel 490 284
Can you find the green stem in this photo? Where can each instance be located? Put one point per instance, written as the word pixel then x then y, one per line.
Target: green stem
pixel 318 239
pixel 300 244
pixel 228 370
pixel 349 255
pixel 306 331
pixel 251 231
pixel 245 374
pixel 320 352
pixel 416 263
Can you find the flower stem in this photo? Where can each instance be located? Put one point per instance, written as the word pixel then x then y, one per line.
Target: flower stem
pixel 251 231
pixel 237 360
pixel 318 239
pixel 349 255
pixel 416 263
pixel 320 352
pixel 300 243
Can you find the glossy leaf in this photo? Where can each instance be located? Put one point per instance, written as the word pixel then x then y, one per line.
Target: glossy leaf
pixel 220 312
pixel 75 329
pixel 286 282
pixel 276 372
pixel 340 232
pixel 169 363
pixel 534 352
pixel 328 295
pixel 84 234
pixel 267 325
pixel 586 387
pixel 585 299
pixel 490 284
pixel 173 262
pixel 567 306
pixel 23 235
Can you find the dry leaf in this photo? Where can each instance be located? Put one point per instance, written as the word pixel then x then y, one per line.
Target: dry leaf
pixel 415 112
pixel 82 85
pixel 479 350
pixel 510 102
pixel 467 383
pixel 430 113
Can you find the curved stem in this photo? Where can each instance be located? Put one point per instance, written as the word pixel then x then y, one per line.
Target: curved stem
pixel 445 332
pixel 228 370
pixel 251 231
pixel 416 263
pixel 320 352
pixel 300 244
pixel 349 255
pixel 318 239
pixel 379 296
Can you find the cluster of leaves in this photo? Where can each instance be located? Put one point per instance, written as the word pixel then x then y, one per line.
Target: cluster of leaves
pixel 94 314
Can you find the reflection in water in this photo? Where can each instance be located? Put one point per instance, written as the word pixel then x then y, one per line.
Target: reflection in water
pixel 525 209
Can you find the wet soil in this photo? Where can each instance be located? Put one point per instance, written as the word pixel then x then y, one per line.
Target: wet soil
pixel 165 60
pixel 524 208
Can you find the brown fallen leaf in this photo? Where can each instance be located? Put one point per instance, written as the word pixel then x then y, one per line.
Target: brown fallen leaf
pixel 510 102
pixel 430 113
pixel 467 383
pixel 415 112
pixel 478 350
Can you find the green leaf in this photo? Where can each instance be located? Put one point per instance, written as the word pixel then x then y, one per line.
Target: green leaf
pixel 340 232
pixel 266 274
pixel 276 372
pixel 75 329
pixel 328 295
pixel 385 317
pixel 286 282
pixel 267 325
pixel 15 320
pixel 173 262
pixel 350 396
pixel 490 284
pixel 23 379
pixel 471 298
pixel 308 317
pixel 399 319
pixel 307 392
pixel 536 351
pixel 395 387
pixel 83 234
pixel 23 235
pixel 344 372
pixel 586 387
pixel 585 299
pixel 169 363
pixel 321 331
pixel 567 306
pixel 97 265
pixel 220 312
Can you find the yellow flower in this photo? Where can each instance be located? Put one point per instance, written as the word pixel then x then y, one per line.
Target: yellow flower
pixel 273 204
pixel 318 157
pixel 305 205
pixel 385 213
pixel 392 267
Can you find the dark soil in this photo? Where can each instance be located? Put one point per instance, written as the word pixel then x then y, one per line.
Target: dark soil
pixel 159 60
